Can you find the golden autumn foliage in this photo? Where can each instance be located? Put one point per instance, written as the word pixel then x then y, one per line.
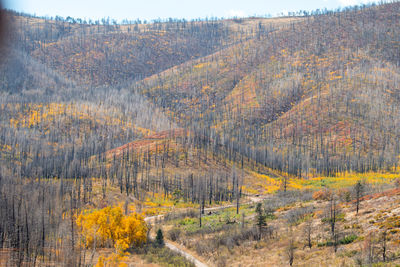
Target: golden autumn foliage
pixel 114 260
pixel 109 226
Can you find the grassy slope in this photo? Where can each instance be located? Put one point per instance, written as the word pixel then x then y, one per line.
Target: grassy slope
pixel 379 211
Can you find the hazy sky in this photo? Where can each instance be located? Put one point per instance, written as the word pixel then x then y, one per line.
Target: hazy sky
pixel 153 9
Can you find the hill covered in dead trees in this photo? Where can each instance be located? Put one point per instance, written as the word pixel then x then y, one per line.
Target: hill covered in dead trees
pixel 179 114
pixel 320 95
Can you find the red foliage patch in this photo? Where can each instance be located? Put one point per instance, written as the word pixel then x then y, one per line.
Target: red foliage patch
pixel 145 142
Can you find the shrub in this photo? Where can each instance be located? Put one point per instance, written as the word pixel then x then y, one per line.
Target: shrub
pixel 348 239
pixel 236 237
pixel 188 221
pixel 322 195
pixel 344 194
pixel 339 218
pixel 221 261
pixel 174 234
pixel 344 241
pixel 296 216
pixel 204 247
pixel 164 256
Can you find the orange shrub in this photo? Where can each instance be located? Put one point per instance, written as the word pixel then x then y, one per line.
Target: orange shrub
pixel 322 195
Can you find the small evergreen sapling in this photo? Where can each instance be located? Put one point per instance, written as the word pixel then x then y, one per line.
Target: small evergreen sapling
pixel 160 238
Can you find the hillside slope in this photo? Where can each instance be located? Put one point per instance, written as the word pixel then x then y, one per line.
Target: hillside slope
pixel 321 95
pixel 299 115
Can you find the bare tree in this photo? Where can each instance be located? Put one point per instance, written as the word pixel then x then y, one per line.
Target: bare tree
pixel 290 249
pixel 383 241
pixel 358 191
pixel 308 232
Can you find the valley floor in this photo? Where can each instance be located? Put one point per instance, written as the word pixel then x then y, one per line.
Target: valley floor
pixel 221 242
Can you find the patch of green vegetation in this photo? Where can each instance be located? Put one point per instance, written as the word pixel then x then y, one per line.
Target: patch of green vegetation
pixel 348 239
pixel 350 253
pixel 344 241
pixel 216 221
pixel 163 256
pixel 339 218
pixel 187 221
pixel 323 183
pixel 270 217
pixel 302 218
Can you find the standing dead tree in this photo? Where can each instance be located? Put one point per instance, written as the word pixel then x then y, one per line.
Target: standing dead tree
pixel 358 192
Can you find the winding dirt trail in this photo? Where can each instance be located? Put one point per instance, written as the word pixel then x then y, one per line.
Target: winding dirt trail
pixel 187 255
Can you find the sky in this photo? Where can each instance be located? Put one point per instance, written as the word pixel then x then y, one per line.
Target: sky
pixel 163 9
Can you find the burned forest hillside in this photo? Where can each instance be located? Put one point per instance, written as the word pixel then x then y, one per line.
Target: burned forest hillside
pixel 230 135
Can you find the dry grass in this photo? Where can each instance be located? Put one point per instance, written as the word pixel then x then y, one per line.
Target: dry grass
pixel 375 213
